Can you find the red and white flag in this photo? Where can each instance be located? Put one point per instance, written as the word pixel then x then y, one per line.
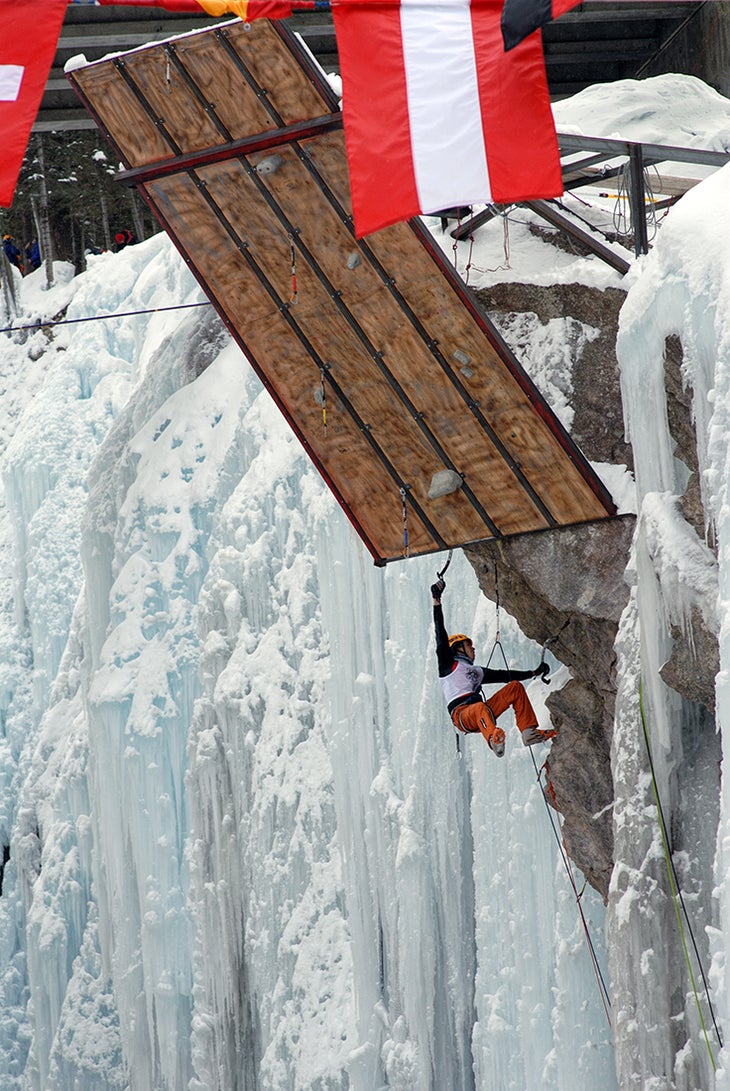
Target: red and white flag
pixel 436 114
pixel 28 37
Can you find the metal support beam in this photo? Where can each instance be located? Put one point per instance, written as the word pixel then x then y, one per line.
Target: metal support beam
pixel 558 219
pixel 637 203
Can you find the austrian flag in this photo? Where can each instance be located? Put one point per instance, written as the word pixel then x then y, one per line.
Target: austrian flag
pixel 436 114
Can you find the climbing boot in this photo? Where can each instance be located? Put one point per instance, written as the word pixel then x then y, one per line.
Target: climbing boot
pixel 533 735
pixel 496 742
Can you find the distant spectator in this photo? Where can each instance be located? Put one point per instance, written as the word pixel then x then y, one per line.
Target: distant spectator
pixel 33 255
pixel 122 239
pixel 11 252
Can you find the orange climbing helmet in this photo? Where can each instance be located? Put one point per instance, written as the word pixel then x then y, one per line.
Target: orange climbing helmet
pixel 459 638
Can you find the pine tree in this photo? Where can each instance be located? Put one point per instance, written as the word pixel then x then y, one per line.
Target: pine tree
pixel 86 206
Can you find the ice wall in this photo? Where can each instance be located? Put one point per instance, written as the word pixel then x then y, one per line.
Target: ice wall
pixel 681 289
pixel 245 853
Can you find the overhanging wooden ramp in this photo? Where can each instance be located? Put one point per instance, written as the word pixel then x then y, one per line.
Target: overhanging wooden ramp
pixel 388 371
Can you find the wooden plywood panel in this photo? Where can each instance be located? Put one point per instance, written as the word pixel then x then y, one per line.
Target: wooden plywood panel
pixel 120 116
pixel 380 327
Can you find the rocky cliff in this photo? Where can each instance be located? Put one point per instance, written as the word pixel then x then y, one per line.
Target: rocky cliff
pixel 566 587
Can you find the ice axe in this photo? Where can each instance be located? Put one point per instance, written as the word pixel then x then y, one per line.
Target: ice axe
pixel 440 574
pixel 438 587
pixel 550 640
pixel 545 677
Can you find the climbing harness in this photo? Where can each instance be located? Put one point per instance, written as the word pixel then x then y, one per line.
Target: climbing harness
pixel 677 897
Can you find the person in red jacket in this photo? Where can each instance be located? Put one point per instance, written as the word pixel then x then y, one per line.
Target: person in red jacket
pixel 462 681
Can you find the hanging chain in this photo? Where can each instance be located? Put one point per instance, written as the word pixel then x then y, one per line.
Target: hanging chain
pixel 403 493
pixel 471 248
pixel 455 246
pixel 294 298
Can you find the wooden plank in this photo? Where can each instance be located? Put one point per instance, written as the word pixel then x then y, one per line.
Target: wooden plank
pixel 288 86
pixel 383 324
pixel 491 384
pixel 415 378
pixel 133 132
pixel 290 371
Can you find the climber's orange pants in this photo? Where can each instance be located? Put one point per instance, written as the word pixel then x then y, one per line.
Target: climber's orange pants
pixel 482 715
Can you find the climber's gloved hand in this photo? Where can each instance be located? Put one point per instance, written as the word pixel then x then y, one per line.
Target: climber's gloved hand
pixel 437 589
pixel 542 671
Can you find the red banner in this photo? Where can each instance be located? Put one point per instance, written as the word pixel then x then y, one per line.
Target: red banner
pixel 436 114
pixel 28 37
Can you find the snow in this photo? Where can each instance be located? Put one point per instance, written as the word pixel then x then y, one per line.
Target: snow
pixel 244 852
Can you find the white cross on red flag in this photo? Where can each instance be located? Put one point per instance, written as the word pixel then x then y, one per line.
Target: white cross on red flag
pixel 28 37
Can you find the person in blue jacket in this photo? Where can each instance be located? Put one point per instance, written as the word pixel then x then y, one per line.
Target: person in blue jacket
pixel 33 255
pixel 11 252
pixel 462 681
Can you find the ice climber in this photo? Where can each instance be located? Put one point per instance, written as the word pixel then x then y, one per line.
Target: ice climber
pixel 461 681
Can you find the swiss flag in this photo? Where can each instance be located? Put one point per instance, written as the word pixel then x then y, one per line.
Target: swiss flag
pixel 28 37
pixel 436 114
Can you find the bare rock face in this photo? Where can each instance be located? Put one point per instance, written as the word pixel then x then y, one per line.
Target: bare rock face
pixel 566 587
pixel 598 426
pixel 695 658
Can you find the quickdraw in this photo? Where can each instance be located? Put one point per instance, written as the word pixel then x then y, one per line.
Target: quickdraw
pixel 323 398
pixel 294 298
pixel 404 509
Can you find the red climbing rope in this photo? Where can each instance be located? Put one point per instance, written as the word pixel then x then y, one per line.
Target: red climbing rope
pixel 549 791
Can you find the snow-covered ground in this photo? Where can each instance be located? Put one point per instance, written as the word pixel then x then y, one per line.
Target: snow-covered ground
pixel 243 851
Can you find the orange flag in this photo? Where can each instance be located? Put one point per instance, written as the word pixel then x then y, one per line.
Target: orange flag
pixel 248 10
